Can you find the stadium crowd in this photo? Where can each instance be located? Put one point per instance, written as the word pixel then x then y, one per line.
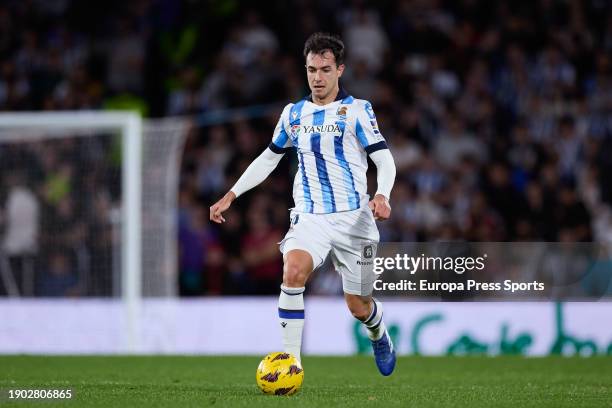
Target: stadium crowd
pixel 498 114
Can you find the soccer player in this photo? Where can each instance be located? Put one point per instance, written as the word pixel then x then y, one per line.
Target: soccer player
pixel 333 133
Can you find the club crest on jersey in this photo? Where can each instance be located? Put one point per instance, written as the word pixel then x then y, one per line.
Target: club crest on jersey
pixel 295 131
pixel 341 112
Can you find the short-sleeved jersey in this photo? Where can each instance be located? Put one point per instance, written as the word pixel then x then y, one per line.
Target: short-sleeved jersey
pixel 332 143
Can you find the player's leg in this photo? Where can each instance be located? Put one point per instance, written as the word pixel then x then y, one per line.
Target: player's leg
pixel 304 248
pixel 358 286
pixel 353 251
pixel 369 311
pixel 298 266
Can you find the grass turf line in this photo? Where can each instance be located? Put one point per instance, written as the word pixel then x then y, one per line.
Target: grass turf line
pixel 172 381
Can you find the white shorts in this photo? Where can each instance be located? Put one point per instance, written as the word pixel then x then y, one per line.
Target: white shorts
pixel 352 238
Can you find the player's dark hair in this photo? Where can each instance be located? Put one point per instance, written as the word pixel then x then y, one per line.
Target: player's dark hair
pixel 318 43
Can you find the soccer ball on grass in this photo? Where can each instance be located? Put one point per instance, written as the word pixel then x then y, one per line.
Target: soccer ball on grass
pixel 279 374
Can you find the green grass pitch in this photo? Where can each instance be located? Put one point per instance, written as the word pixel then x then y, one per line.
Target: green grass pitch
pixel 166 381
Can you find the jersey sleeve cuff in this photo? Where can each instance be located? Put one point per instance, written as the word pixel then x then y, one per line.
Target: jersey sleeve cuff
pixel 376 147
pixel 278 150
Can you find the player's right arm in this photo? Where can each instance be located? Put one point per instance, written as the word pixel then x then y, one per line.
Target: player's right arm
pixel 374 144
pixel 258 170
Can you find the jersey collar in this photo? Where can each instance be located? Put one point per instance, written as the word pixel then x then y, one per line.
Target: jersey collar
pixel 341 95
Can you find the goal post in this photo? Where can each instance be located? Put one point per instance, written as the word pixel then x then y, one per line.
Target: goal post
pixel 130 127
pixel 138 238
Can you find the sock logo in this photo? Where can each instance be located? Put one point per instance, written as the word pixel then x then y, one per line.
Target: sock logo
pixel 283 324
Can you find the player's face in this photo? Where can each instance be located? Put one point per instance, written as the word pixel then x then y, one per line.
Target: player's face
pixel 322 74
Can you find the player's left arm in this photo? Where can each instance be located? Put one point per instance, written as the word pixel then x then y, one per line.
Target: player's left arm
pixel 370 138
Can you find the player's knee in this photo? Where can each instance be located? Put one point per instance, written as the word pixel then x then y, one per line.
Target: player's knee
pixel 294 275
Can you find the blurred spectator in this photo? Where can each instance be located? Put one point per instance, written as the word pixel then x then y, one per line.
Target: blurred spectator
pixel 60 278
pixel 21 215
pixel 572 217
pixel 568 148
pixel 126 60
pixel 20 242
pixel 359 79
pixel 188 97
pixel 257 38
pixel 497 113
pixel 364 39
pixel 194 241
pixel 260 253
pixel 455 143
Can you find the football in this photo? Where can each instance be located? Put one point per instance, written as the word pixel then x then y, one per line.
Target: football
pixel 279 374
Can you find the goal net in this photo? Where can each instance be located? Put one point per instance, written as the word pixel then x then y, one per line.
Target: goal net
pixel 87 210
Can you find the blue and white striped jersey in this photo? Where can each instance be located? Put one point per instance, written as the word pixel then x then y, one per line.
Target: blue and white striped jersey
pixel 331 142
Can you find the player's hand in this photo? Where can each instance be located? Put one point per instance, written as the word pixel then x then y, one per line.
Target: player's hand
pixel 380 207
pixel 217 209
